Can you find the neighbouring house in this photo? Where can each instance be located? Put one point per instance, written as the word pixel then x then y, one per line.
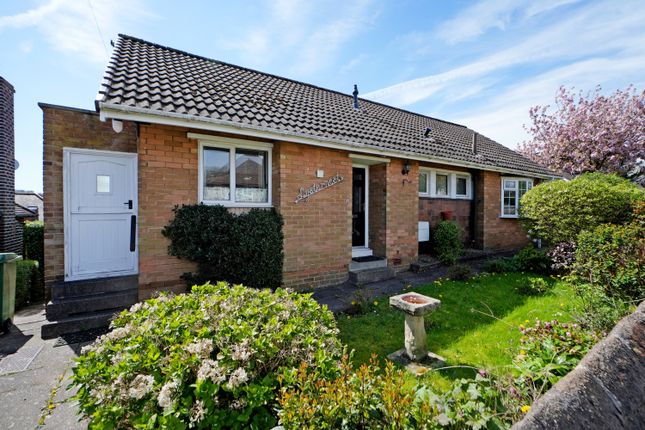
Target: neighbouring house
pixel 29 206
pixel 10 231
pixel 353 179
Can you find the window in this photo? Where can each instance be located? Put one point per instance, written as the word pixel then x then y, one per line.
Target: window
pixel 423 183
pixel 235 173
pixel 445 184
pixel 102 184
pixel 512 191
pixel 441 189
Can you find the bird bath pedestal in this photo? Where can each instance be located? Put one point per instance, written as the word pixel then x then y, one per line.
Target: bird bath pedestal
pixel 415 356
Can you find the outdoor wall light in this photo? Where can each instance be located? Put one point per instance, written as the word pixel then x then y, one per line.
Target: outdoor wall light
pixel 406 168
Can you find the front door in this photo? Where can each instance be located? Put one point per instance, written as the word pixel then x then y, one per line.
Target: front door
pixel 101 209
pixel 359 207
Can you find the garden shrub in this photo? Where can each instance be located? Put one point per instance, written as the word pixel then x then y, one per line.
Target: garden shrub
pixel 612 257
pixel 375 398
pixel 558 211
pixel 208 359
pixel 500 265
pixel 562 256
pixel 27 283
pixel 33 238
pixel 244 249
pixel 447 242
pixel 534 287
pixel 596 310
pixel 531 259
pixel 460 272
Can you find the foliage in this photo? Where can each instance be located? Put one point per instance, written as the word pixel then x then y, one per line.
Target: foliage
pixel 558 211
pixel 597 310
pixel 562 256
pixel 460 272
pixel 531 259
pixel 208 359
pixel 447 242
pixel 371 397
pixel 501 265
pixel 362 302
pixel 612 257
pixel 28 288
pixel 534 287
pixel 33 238
pixel 244 249
pixel 595 133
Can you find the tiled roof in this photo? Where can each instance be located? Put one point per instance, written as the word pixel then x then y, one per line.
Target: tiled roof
pixel 156 79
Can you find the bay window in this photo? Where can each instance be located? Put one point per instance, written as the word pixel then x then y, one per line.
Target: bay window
pixel 512 191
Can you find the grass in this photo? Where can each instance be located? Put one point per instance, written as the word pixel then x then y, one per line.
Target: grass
pixel 476 325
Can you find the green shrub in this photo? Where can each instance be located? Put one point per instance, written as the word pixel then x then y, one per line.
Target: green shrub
pixel 558 211
pixel 460 272
pixel 33 237
pixel 534 287
pixel 208 359
pixel 500 265
pixel 243 249
pixel 447 242
pixel 375 398
pixel 27 283
pixel 597 310
pixel 531 259
pixel 612 257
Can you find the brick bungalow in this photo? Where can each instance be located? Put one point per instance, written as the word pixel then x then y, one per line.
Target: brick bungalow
pixel 352 178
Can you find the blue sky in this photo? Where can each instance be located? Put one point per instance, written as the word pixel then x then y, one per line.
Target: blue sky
pixel 479 63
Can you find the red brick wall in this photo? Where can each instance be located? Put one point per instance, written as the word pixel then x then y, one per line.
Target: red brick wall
pixel 377 227
pixel 75 128
pixel 430 210
pixel 402 216
pixel 317 244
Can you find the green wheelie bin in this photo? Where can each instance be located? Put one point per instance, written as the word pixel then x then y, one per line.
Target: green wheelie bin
pixel 7 288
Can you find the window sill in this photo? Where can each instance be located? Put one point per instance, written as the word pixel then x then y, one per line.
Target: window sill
pixel 237 205
pixel 509 216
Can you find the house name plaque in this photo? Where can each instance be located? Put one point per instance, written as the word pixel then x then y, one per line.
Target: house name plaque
pixel 304 194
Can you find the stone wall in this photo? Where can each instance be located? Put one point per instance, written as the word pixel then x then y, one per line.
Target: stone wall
pixel 605 391
pixel 70 128
pixel 10 231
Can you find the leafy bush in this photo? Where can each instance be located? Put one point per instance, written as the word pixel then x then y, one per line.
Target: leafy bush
pixel 28 288
pixel 447 242
pixel 598 311
pixel 245 249
pixel 531 259
pixel 558 211
pixel 562 256
pixel 612 257
pixel 33 238
pixel 208 359
pixel 375 398
pixel 460 272
pixel 500 265
pixel 535 287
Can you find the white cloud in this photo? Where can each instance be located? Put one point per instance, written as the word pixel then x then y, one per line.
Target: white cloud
pixel 70 27
pixel 353 63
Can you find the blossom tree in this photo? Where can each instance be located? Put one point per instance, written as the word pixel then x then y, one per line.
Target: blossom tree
pixel 595 133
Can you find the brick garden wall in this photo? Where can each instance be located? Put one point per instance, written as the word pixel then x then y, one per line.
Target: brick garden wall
pixel 74 128
pixel 10 231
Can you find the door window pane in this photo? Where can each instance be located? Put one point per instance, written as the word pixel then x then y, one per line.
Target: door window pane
pixel 461 186
pixel 217 180
pixel 423 183
pixel 102 184
pixel 442 185
pixel 251 176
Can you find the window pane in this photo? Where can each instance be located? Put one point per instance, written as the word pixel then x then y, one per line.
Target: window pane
pixel 251 176
pixel 461 186
pixel 217 180
pixel 509 203
pixel 423 183
pixel 510 185
pixel 102 184
pixel 442 185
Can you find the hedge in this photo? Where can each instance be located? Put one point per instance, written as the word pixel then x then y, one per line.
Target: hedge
pixel 28 286
pixel 33 238
pixel 240 249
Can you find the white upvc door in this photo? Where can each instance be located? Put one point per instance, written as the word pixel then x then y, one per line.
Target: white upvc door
pixel 100 214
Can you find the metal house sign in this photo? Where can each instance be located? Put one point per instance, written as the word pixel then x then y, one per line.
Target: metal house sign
pixel 304 194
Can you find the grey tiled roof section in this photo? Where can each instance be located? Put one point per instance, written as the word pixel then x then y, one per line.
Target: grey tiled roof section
pixel 158 79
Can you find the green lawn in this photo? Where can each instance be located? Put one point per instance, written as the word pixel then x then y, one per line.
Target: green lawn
pixel 476 325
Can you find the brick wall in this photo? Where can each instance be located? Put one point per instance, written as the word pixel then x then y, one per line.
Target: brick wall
pixel 402 216
pixel 75 128
pixel 430 210
pixel 377 209
pixel 10 232
pixel 317 233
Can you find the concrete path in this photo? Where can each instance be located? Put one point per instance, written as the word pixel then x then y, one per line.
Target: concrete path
pixel 34 375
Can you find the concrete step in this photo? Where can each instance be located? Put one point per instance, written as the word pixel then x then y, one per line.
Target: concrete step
pixel 365 263
pixel 424 266
pixel 83 288
pixel 78 323
pixel 68 307
pixel 365 276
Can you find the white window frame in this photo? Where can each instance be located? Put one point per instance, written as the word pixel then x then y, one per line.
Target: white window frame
pixel 232 145
pixel 452 184
pixel 517 180
pixel 427 173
